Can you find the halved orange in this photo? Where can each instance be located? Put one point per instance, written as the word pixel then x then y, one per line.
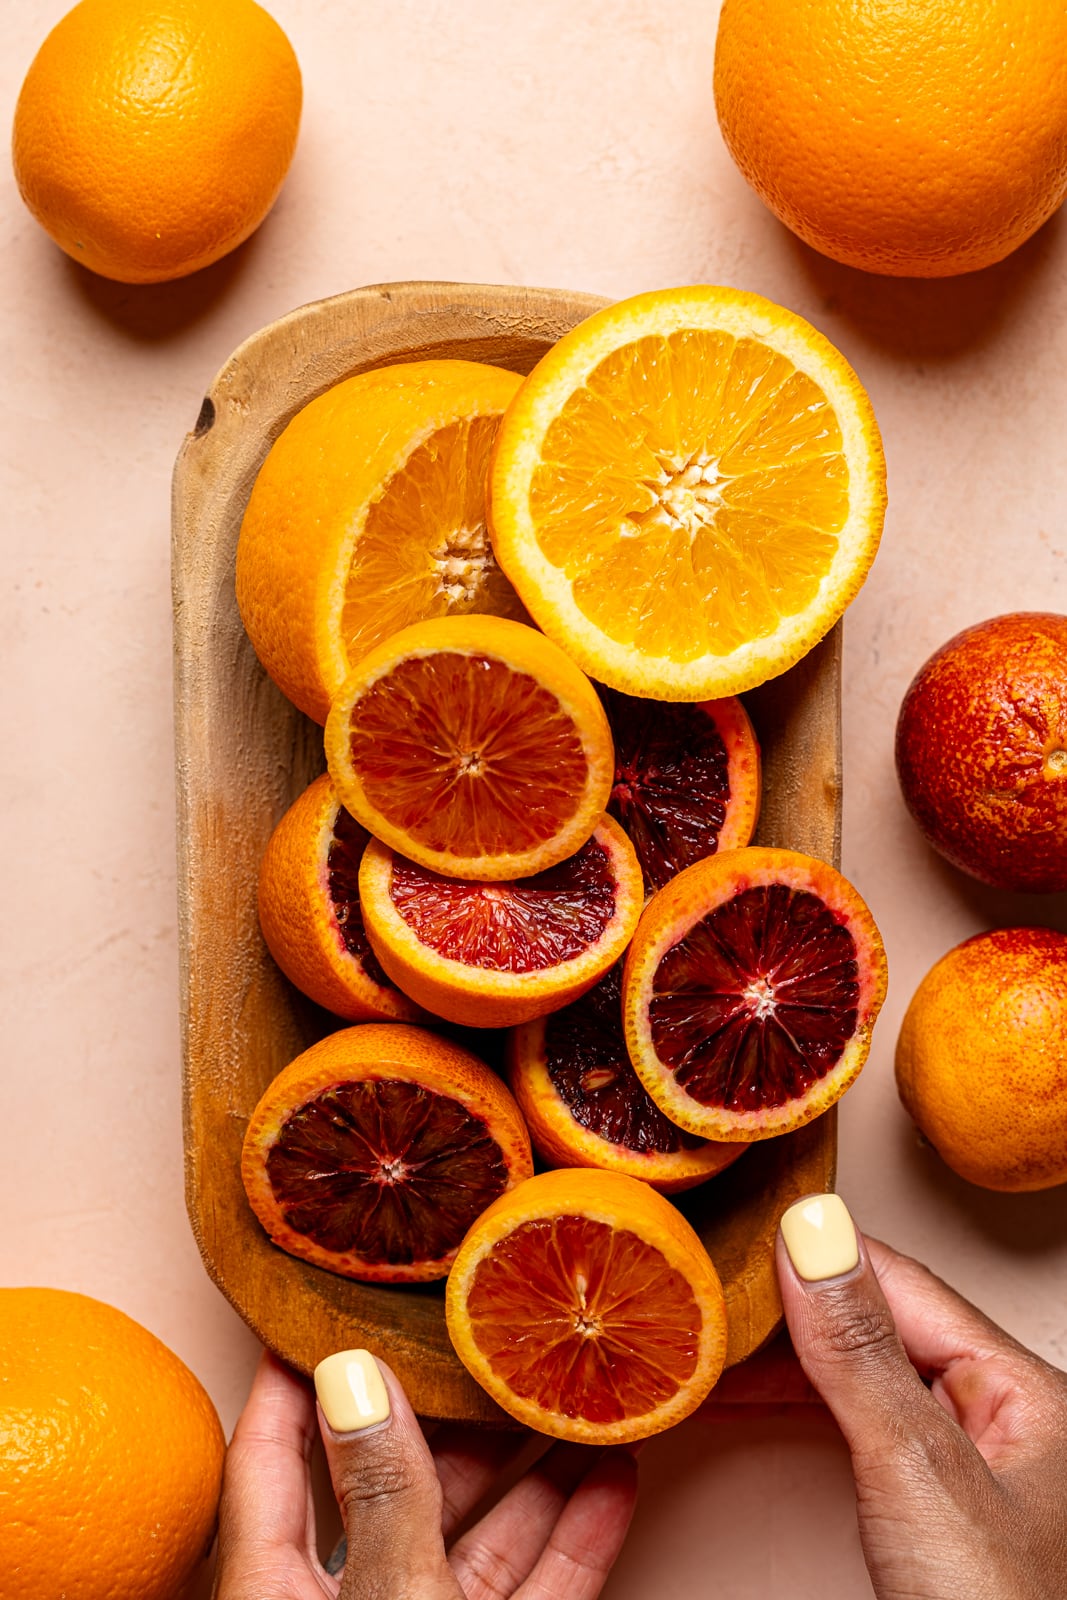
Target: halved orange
pixel 310 913
pixel 493 954
pixel 369 514
pixel 585 1304
pixel 473 746
pixel 687 491
pixel 687 779
pixel 750 992
pixel 373 1152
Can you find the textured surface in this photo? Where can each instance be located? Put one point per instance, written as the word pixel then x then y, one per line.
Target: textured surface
pixel 541 144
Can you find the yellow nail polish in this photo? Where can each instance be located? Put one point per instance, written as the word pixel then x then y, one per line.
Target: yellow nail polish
pixel 351 1391
pixel 820 1237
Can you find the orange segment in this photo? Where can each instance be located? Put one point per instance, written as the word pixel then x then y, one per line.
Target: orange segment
pixel 473 746
pixel 587 1307
pixel 368 515
pixel 687 491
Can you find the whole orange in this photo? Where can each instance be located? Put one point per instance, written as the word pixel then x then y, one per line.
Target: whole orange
pixel 110 1454
pixel 981 751
pixel 152 138
pixel 917 138
pixel 982 1058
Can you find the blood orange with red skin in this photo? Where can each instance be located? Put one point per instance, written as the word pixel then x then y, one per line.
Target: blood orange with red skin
pixel 373 1152
pixel 981 751
pixel 490 955
pixel 687 779
pixel 750 991
pixel 585 1106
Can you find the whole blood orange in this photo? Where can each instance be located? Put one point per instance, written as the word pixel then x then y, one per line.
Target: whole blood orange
pixel 918 138
pixel 981 751
pixel 373 1152
pixel 750 991
pixel 585 1304
pixel 150 139
pixel 490 955
pixel 110 1454
pixel 982 1058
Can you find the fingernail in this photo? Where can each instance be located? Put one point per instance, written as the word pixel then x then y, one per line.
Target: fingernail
pixel 351 1391
pixel 820 1237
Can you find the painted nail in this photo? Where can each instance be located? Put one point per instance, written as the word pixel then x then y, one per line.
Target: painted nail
pixel 820 1237
pixel 351 1391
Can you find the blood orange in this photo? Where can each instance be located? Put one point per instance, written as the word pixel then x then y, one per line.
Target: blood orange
pixel 750 991
pixel 585 1304
pixel 687 779
pixel 585 1106
pixel 493 954
pixel 373 1152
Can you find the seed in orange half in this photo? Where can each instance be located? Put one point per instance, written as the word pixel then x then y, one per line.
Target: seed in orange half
pixel 310 913
pixel 687 491
pixel 473 746
pixel 373 1152
pixel 687 779
pixel 490 955
pixel 368 515
pixel 585 1106
pixel 750 991
pixel 585 1304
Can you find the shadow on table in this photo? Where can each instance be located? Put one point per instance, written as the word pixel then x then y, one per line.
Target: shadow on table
pixel 996 908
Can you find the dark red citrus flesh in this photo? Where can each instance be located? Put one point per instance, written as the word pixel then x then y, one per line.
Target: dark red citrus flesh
pixel 584 1319
pixel 758 1001
pixel 590 1070
pixel 466 754
pixel 384 1168
pixel 342 875
pixel 524 925
pixel 672 782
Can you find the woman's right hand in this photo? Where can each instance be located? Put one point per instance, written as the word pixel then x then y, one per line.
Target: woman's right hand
pixel 958 1434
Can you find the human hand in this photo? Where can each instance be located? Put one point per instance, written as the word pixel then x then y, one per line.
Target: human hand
pixel 553 1536
pixel 958 1434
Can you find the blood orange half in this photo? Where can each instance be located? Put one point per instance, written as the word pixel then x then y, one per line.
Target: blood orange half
pixel 373 1152
pixel 585 1106
pixel 750 991
pixel 585 1304
pixel 687 779
pixel 493 954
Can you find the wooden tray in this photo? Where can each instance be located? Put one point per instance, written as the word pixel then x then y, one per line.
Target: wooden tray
pixel 244 753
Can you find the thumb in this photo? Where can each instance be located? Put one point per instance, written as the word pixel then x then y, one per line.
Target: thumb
pixel 385 1481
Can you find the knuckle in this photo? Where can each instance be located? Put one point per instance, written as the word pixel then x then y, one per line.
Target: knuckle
pixel 859 1331
pixel 377 1478
pixel 486 1572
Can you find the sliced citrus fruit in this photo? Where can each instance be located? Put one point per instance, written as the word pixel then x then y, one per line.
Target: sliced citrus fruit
pixel 585 1304
pixel 493 954
pixel 310 913
pixel 373 1152
pixel 369 514
pixel 750 991
pixel 687 491
pixel 473 746
pixel 687 779
pixel 585 1106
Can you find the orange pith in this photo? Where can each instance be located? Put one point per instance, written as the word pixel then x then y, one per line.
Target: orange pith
pixel 586 1306
pixel 310 914
pixel 494 954
pixel 750 992
pixel 369 515
pixel 687 491
pixel 472 746
pixel 373 1152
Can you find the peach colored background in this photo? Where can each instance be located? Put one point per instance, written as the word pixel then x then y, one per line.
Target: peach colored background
pixel 562 144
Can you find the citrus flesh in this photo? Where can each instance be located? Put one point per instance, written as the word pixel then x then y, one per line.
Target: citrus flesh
pixel 473 746
pixel 373 1152
pixel 687 491
pixel 586 1306
pixel 750 992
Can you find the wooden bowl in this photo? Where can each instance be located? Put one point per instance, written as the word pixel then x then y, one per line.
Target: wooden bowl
pixel 244 753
